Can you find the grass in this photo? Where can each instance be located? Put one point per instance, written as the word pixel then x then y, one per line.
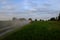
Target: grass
pixel 49 30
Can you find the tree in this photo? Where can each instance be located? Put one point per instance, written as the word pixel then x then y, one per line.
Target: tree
pixel 30 19
pixel 22 19
pixel 40 20
pixel 35 19
pixel 59 17
pixel 56 18
pixel 52 19
pixel 14 18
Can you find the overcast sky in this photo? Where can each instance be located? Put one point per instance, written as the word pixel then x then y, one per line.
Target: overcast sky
pixel 40 9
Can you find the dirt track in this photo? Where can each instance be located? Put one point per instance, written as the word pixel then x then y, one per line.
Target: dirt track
pixel 11 25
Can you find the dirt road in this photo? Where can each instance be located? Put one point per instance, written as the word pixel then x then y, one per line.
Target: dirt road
pixel 14 25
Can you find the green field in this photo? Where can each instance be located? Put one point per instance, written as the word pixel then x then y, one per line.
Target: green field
pixel 48 30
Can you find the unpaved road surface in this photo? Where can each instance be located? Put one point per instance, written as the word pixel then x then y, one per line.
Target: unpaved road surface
pixel 6 27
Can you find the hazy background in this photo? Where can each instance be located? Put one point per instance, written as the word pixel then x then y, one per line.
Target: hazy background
pixel 40 9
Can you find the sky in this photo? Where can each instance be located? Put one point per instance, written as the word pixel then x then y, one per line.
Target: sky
pixel 35 9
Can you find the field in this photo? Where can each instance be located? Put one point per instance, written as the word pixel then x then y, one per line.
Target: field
pixel 48 30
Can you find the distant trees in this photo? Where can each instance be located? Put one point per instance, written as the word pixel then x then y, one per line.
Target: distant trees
pixel 52 19
pixel 14 18
pixel 22 19
pixel 40 20
pixel 30 19
pixel 59 17
pixel 55 19
pixel 35 19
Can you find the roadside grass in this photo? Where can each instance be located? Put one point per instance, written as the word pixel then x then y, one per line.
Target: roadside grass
pixel 48 30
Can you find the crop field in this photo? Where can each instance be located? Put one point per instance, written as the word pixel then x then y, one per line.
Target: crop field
pixel 38 30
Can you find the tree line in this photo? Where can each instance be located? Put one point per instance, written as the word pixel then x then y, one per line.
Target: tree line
pixel 55 19
pixel 51 19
